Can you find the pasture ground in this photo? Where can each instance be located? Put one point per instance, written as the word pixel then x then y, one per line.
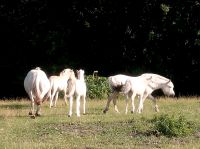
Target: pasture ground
pixel 95 129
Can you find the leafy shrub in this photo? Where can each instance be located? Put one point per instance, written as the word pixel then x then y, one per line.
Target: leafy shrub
pixel 172 126
pixel 97 87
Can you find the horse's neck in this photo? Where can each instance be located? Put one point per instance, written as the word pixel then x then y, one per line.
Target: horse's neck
pixel 157 83
pixel 65 77
pixel 81 78
pixel 153 85
pixel 72 77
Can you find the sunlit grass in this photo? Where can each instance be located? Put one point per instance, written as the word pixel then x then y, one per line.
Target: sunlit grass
pixel 54 129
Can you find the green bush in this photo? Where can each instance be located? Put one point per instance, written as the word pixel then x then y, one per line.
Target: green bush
pixel 172 126
pixel 97 87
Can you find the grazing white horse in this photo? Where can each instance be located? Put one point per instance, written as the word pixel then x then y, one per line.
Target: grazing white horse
pixel 143 89
pixel 58 84
pixel 36 85
pixel 77 87
pixel 153 82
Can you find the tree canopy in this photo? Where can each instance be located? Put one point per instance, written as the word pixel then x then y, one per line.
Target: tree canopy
pixel 125 36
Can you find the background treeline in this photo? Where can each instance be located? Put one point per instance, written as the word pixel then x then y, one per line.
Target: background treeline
pixel 123 36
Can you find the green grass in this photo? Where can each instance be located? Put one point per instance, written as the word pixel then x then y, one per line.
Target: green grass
pixel 95 129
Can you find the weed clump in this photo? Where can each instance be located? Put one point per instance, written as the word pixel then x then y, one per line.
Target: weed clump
pixel 172 126
pixel 97 87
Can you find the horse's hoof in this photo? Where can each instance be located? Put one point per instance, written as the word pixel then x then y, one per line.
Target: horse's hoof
pixel 30 113
pixel 38 114
pixel 33 116
pixel 104 111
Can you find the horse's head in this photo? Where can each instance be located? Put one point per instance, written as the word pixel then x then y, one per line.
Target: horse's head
pixel 80 74
pixel 67 72
pixel 168 88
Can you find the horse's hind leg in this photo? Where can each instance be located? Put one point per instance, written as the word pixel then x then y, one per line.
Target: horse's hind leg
pixel 115 104
pixel 126 105
pixel 132 102
pixel 110 97
pixel 38 111
pixel 52 98
pixel 140 107
pixel 78 105
pixel 84 102
pixel 31 112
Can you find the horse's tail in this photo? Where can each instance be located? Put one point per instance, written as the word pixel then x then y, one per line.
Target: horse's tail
pixel 111 83
pixel 39 95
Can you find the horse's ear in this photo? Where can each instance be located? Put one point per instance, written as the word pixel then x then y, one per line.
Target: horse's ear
pixel 168 81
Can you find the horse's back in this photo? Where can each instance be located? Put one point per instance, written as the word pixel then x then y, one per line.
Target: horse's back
pixel 117 82
pixel 135 85
pixel 138 84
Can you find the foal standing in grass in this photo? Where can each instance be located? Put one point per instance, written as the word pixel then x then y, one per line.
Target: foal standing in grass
pixel 77 87
pixel 58 84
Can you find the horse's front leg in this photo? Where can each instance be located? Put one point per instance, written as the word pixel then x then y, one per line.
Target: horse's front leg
pixel 141 101
pixel 132 102
pixel 156 106
pixel 140 107
pixel 52 98
pixel 56 98
pixel 78 105
pixel 70 106
pixel 126 105
pixel 84 102
pixel 65 98
pixel 154 101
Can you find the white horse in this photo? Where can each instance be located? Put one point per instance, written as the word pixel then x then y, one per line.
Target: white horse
pixel 143 89
pixel 153 82
pixel 58 84
pixel 36 85
pixel 77 87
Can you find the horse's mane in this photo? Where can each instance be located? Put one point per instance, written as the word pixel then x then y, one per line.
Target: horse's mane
pixel 157 76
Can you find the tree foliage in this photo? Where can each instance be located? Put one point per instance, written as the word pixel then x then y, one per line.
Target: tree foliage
pixel 111 36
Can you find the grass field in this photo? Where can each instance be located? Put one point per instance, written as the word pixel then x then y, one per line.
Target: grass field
pixel 95 129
